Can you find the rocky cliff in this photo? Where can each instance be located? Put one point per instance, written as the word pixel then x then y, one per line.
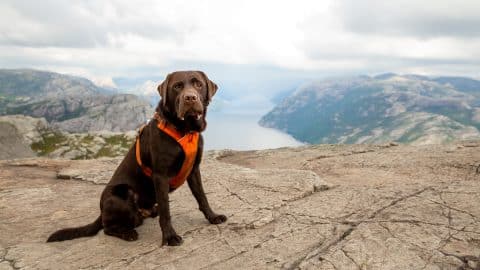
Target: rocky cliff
pixel 403 108
pixel 18 133
pixel 24 136
pixel 69 103
pixel 315 207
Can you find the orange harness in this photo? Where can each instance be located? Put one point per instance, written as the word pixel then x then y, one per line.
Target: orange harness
pixel 189 144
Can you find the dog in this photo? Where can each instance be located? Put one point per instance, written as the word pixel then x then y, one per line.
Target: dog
pixel 167 152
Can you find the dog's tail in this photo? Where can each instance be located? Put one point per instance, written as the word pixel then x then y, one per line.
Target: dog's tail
pixel 72 233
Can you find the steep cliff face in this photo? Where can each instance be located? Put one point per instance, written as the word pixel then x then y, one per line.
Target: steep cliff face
pixel 113 113
pixel 70 103
pixel 409 109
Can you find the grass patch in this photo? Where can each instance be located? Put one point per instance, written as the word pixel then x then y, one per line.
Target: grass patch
pixel 87 139
pixel 119 140
pixel 106 151
pixel 49 143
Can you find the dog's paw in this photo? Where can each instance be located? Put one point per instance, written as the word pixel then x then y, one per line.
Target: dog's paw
pixel 174 240
pixel 217 219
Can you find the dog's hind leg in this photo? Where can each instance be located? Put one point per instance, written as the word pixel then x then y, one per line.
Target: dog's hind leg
pixel 120 214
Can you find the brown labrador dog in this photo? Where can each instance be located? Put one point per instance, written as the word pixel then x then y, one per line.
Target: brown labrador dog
pixel 131 195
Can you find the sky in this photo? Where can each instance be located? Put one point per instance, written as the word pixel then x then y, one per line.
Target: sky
pixel 256 51
pixel 104 40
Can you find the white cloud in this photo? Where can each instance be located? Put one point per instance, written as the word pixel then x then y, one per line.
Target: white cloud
pixel 106 82
pixel 121 38
pixel 424 19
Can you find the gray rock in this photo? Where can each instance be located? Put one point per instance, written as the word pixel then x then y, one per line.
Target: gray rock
pixel 30 129
pixel 59 152
pixel 69 103
pixel 12 143
pixel 17 133
pixel 398 207
pixel 73 154
pixel 112 113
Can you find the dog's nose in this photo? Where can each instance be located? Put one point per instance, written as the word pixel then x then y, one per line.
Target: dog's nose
pixel 190 97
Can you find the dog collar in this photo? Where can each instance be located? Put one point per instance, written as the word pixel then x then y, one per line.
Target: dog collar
pixel 188 142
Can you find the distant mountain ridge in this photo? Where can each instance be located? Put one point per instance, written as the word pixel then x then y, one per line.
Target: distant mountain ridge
pixel 388 107
pixel 73 104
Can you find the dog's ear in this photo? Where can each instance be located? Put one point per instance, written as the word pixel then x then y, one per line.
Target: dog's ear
pixel 211 86
pixel 162 89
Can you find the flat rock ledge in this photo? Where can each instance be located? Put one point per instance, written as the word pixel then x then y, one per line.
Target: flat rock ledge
pixel 317 207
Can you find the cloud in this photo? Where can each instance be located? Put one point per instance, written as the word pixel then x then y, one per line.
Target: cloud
pixel 76 24
pixel 120 38
pixel 422 19
pixel 429 37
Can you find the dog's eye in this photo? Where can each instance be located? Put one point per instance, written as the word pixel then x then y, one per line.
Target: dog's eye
pixel 198 84
pixel 177 86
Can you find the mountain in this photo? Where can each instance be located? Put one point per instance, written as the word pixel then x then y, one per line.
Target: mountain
pixel 388 107
pixel 69 103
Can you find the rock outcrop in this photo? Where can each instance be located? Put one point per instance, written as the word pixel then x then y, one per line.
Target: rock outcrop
pixel 69 103
pixel 24 136
pixel 317 207
pixel 17 133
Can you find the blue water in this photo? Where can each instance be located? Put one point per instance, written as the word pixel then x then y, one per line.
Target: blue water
pixel 242 132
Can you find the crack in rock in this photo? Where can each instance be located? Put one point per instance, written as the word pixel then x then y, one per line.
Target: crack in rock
pixel 351 259
pixel 321 248
pixel 469 262
pixel 354 152
pixel 234 194
pixel 396 201
pixel 209 266
pixel 358 225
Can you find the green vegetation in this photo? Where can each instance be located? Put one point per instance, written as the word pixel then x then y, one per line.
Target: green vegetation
pixel 25 109
pixel 115 145
pixel 105 151
pixel 87 139
pixel 119 140
pixel 49 143
pixel 86 146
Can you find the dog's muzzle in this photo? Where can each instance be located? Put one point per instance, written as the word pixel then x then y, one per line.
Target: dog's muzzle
pixel 189 105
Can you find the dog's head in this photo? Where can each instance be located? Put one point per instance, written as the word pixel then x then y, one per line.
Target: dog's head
pixel 185 97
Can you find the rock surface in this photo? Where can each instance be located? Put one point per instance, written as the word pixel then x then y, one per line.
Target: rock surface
pixel 318 207
pixel 17 133
pixel 12 144
pixel 29 128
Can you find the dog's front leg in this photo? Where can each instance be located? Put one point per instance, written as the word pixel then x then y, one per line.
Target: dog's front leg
pixel 195 184
pixel 169 236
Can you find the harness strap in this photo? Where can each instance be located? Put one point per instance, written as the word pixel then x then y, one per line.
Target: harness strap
pixel 188 142
pixel 146 170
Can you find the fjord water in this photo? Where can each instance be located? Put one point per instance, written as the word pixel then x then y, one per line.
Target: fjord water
pixel 242 132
